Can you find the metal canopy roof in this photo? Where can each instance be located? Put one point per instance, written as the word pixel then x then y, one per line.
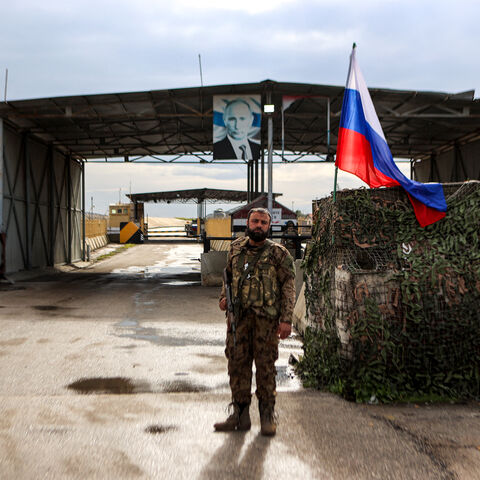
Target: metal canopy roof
pixel 198 195
pixel 176 122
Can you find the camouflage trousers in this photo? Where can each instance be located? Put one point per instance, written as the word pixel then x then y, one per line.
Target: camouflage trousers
pixel 256 339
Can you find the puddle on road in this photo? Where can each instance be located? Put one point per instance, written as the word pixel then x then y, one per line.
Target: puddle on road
pixel 109 385
pixel 287 379
pixel 127 323
pixel 149 334
pixel 182 386
pixel 126 386
pixel 9 287
pixel 181 283
pixel 177 269
pixel 158 429
pixel 45 308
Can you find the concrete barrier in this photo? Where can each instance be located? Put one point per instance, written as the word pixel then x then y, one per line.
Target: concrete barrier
pixel 298 276
pixel 212 265
pixel 300 321
pixel 96 242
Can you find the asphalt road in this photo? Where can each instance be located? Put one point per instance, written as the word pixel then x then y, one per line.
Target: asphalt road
pixel 117 371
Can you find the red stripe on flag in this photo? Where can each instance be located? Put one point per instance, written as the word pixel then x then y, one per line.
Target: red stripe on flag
pixel 425 215
pixel 354 155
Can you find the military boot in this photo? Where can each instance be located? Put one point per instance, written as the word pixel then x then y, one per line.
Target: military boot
pixel 268 423
pixel 238 420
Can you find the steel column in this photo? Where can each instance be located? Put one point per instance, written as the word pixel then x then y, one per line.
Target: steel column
pixel 328 126
pixel 28 242
pixel 3 238
pixel 51 206
pixel 270 157
pixel 83 210
pixel 69 210
pixel 2 229
pixel 248 182
pixel 262 171
pixel 252 179
pixel 459 160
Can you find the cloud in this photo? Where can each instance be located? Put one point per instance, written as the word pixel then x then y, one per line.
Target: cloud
pixel 299 184
pixel 58 48
pixel 251 7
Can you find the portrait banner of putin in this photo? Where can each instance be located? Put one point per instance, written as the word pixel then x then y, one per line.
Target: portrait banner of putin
pixel 236 127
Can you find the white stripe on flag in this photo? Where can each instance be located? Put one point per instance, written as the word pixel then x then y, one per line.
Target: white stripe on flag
pixel 357 82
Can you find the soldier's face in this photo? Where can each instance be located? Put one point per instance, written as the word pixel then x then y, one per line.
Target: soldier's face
pixel 258 226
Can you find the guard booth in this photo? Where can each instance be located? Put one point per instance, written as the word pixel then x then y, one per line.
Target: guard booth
pixel 124 213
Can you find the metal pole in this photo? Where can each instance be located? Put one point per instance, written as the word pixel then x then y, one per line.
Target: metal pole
pixel 262 171
pixel 270 157
pixel 27 203
pixel 335 185
pixel 3 243
pixel 336 168
pixel 69 211
pixel 248 182
pixel 199 216
pixel 51 205
pixel 83 212
pixel 200 65
pixel 252 180
pixel 256 178
pixel 328 126
pixel 6 83
pixel 1 176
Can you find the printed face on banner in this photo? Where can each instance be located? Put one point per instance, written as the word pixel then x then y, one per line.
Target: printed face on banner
pixel 236 127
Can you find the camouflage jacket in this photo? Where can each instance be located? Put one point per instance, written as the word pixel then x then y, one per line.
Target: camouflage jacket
pixel 290 242
pixel 270 288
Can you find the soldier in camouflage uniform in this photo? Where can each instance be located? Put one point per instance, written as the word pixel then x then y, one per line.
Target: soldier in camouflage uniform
pixel 263 275
pixel 290 243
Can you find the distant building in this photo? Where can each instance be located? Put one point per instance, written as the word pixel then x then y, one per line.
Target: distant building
pixel 280 215
pixel 125 212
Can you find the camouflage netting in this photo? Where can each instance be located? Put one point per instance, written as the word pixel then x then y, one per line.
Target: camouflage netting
pixel 395 308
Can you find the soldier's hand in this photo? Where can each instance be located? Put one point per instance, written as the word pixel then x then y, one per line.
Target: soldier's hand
pixel 284 330
pixel 223 304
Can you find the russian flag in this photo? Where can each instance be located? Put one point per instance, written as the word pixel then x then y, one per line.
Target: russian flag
pixel 363 151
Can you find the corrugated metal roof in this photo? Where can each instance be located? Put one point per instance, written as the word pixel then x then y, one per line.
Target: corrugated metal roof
pixel 179 121
pixel 197 195
pixel 261 201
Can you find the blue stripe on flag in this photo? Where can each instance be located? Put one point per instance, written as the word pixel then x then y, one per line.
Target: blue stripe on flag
pixel 430 194
pixel 353 118
pixel 218 118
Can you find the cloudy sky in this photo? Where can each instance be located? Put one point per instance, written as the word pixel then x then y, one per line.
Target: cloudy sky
pixel 54 48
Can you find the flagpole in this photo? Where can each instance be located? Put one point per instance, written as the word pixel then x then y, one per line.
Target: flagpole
pixel 354 46
pixel 335 185
pixel 283 133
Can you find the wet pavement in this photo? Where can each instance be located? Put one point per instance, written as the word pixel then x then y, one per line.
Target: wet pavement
pixel 117 370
